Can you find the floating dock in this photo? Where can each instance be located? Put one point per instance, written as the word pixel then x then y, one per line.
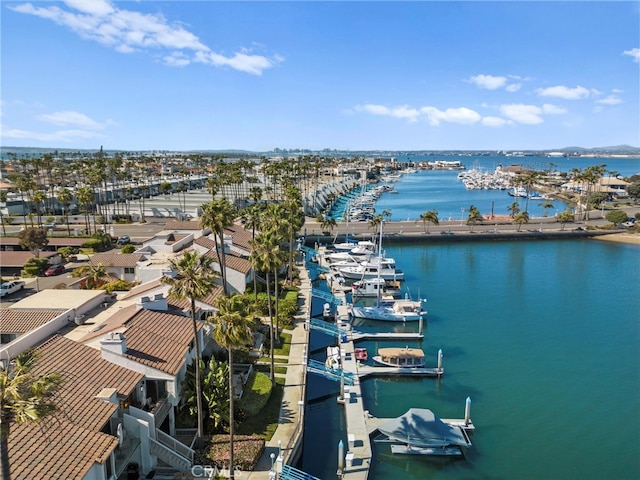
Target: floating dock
pixel 366 370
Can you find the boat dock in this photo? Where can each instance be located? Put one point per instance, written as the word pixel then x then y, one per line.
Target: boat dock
pixel 354 459
pixel 366 370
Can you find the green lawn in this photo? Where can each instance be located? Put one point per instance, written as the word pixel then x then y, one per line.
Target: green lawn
pixel 265 422
pixel 285 344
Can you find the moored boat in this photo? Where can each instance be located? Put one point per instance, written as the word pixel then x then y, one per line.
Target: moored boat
pixel 400 357
pixel 403 310
pixel 375 287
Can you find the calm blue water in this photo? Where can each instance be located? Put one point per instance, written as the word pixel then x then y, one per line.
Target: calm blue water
pixel 544 336
pixel 426 190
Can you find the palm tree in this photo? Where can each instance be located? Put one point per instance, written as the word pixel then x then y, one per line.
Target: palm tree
pixel 327 224
pixel 474 217
pixel 251 217
pixel 546 205
pixel 232 329
pixel 218 215
pixel 514 209
pixel 24 397
pixel 194 280
pixel 564 217
pixel 94 274
pixel 85 197
pixel 430 216
pixel 520 218
pixel 64 198
pixel 3 199
pixel 38 197
pixel 265 257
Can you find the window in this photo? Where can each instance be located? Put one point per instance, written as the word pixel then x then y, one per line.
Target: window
pixel 129 270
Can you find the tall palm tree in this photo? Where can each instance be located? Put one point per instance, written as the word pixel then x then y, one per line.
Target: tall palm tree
pixel 232 329
pixel 64 198
pixel 3 199
pixel 546 205
pixel 514 209
pixel 24 397
pixel 218 215
pixel 520 218
pixel 265 257
pixel 194 280
pixel 85 197
pixel 427 217
pixel 251 216
pixel 474 217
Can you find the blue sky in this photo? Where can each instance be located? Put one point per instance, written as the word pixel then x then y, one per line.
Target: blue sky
pixel 188 75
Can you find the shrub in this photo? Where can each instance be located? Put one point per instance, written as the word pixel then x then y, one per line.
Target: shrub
pixel 118 285
pixel 256 393
pixel 128 248
pixel 35 266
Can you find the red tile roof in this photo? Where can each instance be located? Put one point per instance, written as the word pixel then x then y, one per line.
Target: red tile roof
pixel 9 258
pixel 15 320
pixel 232 261
pixel 159 340
pixel 67 444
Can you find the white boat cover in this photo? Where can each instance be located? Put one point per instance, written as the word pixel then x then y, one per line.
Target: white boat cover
pixel 420 427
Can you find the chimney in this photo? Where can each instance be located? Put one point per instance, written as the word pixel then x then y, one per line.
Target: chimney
pixel 114 342
pixel 158 303
pixel 108 395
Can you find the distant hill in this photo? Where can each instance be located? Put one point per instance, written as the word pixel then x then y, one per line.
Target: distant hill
pixel 613 149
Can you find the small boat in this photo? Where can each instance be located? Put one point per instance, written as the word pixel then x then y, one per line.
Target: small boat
pixel 326 310
pixel 400 357
pixel 420 432
pixel 376 267
pixel 333 358
pixel 403 310
pixel 373 287
pixel 361 354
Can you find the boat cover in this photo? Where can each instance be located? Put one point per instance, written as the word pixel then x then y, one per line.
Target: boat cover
pixel 420 427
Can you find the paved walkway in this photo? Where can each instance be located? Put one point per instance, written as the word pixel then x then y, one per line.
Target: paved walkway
pixel 290 424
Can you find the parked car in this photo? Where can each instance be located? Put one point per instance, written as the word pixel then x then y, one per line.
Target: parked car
pixel 54 270
pixel 124 240
pixel 7 288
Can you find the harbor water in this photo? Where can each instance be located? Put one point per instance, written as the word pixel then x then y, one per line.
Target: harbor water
pixel 543 336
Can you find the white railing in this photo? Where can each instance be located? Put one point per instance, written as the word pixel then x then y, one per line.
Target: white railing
pixel 169 456
pixel 175 445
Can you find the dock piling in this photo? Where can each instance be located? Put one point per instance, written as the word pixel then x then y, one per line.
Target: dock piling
pixel 467 411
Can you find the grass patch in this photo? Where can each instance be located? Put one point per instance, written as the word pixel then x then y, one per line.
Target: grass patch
pixel 256 393
pixel 285 342
pixel 264 424
pixel 265 368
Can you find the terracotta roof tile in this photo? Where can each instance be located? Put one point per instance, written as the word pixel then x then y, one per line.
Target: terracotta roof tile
pixel 12 258
pixel 68 443
pixel 232 261
pixel 17 320
pixel 159 340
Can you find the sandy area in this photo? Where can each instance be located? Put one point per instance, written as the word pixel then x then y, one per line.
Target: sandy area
pixel 621 238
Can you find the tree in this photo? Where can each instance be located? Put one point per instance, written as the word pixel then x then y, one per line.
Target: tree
pixel 474 217
pixel 24 397
pixel 564 217
pixel 265 257
pixel 514 209
pixel 633 190
pixel 215 390
pixel 3 199
pixel 232 329
pixel 427 217
pixel 64 198
pixel 194 280
pixel 520 218
pixel 327 224
pixel 94 274
pixel 218 215
pixel 616 216
pixel 546 205
pixel 34 239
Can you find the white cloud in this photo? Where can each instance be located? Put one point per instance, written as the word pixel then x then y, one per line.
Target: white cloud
pixel 128 31
pixel 566 93
pixel 520 113
pixel 59 136
pixel 551 109
pixel 610 100
pixel 495 122
pixel 488 82
pixel 432 115
pixel 72 118
pixel 514 87
pixel 634 53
